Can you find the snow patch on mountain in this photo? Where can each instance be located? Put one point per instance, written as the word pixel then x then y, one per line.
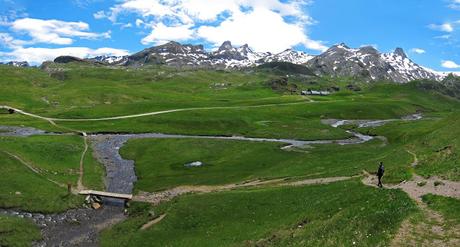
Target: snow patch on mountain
pixel 339 60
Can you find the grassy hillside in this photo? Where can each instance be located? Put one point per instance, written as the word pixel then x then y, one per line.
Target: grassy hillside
pixel 160 164
pixel 26 190
pixel 290 216
pixel 227 103
pixel 55 157
pixel 17 232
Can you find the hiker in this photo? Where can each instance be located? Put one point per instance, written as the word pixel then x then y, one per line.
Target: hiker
pixel 380 173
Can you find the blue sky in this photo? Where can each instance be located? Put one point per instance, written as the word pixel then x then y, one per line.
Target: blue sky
pixel 428 30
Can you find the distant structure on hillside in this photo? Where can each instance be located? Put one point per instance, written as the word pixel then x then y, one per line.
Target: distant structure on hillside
pixel 314 92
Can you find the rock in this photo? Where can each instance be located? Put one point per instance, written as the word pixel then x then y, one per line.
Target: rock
pixel 96 205
pixel 39 216
pixel 18 193
pixel 68 59
pixel 194 164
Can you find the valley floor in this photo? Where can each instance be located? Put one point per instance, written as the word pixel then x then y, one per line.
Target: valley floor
pixel 278 170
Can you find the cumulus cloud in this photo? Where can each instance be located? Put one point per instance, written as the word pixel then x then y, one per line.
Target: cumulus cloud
pixel 144 8
pixel 38 55
pixel 260 23
pixel 54 31
pixel 162 33
pixel 445 27
pixel 100 15
pixel 262 29
pixel 84 3
pixel 8 41
pixel 454 4
pixel 51 32
pixel 450 64
pixel 418 50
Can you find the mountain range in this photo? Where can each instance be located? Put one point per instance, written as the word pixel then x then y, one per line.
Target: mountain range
pixel 338 61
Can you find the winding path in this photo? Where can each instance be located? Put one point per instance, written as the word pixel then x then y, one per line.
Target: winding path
pixel 121 175
pixel 432 229
pixel 52 120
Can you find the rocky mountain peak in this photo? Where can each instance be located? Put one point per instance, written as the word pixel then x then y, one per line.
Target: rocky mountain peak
pixel 18 63
pixel 227 45
pixel 245 50
pixel 341 46
pixel 339 60
pixel 368 50
pixel 368 63
pixel 400 52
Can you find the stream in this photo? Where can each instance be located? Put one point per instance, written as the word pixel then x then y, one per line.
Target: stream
pixel 82 226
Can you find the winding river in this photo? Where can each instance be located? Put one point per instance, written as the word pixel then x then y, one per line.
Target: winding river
pixel 81 226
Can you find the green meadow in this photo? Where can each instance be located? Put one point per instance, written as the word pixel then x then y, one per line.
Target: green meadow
pixel 226 103
pixel 318 215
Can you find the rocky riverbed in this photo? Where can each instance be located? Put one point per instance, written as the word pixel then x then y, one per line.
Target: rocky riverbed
pixel 75 227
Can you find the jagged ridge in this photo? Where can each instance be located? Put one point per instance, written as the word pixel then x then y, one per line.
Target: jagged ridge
pixel 339 60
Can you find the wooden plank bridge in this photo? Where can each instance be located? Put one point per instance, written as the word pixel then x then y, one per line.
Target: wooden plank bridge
pixel 127 197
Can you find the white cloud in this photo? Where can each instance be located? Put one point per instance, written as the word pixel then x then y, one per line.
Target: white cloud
pixel 127 25
pixel 450 64
pixel 37 55
pixel 162 33
pixel 84 3
pixel 206 10
pixel 6 40
pixel 144 8
pixel 454 4
pixel 446 36
pixel 260 23
pixel 445 27
pixel 100 15
pixel 418 50
pixel 262 29
pixel 139 22
pixel 54 31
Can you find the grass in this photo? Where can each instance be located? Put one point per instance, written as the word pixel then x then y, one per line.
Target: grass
pixel 21 188
pixel 268 216
pixel 94 173
pixel 160 162
pixel 16 232
pixel 301 121
pixel 447 206
pixel 87 92
pixel 271 217
pixel 57 157
pixel 434 140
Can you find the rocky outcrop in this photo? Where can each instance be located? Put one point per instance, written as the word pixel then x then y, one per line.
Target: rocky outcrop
pixel 68 59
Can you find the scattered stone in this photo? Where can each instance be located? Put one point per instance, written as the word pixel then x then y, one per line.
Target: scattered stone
pixel 96 205
pixel 421 183
pixel 194 164
pixel 438 183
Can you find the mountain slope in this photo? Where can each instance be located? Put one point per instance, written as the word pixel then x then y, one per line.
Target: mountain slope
pixel 226 56
pixel 368 63
pixel 338 61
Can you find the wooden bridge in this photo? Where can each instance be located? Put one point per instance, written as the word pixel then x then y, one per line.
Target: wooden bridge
pixel 127 197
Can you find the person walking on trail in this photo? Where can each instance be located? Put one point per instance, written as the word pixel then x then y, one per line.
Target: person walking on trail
pixel 380 173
